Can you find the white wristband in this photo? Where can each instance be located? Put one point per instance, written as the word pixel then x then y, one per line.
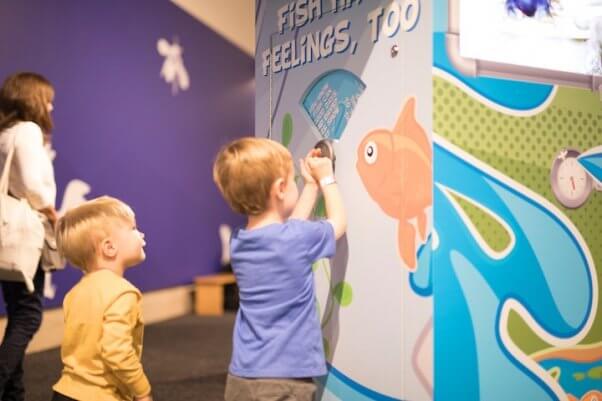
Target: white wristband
pixel 327 181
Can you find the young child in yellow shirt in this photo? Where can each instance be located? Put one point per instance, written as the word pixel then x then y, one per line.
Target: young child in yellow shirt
pixel 102 343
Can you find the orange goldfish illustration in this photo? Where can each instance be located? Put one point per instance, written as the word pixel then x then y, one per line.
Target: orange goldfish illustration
pixel 396 169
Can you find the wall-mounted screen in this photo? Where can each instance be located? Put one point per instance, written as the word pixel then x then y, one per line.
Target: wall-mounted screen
pixel 557 35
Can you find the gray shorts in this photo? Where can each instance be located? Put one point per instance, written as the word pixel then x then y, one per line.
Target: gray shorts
pixel 242 389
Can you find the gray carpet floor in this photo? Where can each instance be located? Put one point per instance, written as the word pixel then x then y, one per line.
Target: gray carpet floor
pixel 185 359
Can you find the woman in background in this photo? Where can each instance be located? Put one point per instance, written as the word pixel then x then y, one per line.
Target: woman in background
pixel 25 106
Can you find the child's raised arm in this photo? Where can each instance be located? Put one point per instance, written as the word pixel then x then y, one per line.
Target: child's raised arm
pixel 321 170
pixel 309 194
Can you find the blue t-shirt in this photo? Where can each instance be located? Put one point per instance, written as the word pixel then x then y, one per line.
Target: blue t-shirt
pixel 277 331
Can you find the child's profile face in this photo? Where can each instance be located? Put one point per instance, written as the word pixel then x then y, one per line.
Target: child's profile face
pixel 130 243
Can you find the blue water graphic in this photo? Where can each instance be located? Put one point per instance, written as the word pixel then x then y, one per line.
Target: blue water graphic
pixel 546 271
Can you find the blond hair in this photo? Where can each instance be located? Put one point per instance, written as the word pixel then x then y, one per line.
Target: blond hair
pixel 245 169
pixel 81 229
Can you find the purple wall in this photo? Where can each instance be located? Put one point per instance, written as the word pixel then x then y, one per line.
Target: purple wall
pixel 120 129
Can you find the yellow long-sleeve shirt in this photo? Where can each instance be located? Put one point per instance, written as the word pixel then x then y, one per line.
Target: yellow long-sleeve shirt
pixel 102 344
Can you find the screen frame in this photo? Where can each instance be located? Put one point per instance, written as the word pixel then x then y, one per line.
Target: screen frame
pixel 478 67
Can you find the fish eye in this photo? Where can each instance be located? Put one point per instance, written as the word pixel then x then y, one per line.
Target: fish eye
pixel 370 152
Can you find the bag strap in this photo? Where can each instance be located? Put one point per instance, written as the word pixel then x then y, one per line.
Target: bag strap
pixel 6 170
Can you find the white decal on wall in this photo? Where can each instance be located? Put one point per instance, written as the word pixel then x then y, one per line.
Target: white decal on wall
pixel 173 70
pixel 75 195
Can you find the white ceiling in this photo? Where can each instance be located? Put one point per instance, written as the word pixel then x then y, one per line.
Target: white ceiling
pixel 232 19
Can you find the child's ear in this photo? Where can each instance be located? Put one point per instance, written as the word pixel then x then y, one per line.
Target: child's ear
pixel 278 188
pixel 108 248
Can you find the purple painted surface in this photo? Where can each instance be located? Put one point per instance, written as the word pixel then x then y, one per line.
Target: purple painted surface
pixel 120 129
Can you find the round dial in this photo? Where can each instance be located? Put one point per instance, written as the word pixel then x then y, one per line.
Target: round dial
pixel 570 182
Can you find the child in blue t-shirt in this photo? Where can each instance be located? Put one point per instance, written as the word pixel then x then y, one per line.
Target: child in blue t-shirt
pixel 277 338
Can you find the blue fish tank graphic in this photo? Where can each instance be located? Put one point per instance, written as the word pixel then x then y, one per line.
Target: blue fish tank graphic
pixel 330 99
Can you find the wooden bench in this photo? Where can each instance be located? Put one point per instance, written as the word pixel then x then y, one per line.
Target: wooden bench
pixel 209 293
